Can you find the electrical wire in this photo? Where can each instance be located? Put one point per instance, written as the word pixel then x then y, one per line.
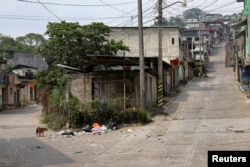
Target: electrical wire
pixel 134 17
pixel 49 10
pixel 52 18
pixel 224 5
pixel 77 5
pixel 112 6
pixel 130 17
pixel 230 10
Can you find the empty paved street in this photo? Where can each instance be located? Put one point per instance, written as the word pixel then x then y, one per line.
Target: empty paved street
pixel 210 114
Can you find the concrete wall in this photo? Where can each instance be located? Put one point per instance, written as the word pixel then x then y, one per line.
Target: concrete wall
pixel 151 90
pixel 80 86
pixel 27 94
pixel 24 97
pixel 110 85
pixel 28 59
pixel 10 92
pixel 129 36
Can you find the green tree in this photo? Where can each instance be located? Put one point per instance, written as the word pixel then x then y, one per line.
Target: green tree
pixel 7 43
pixel 177 22
pixel 69 43
pixel 192 13
pixel 53 76
pixel 173 21
pixel 31 39
pixel 27 43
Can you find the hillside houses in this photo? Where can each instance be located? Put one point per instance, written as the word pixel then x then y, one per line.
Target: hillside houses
pixel 18 78
pixel 185 55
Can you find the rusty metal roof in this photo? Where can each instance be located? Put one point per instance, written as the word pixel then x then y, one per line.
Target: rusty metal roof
pixel 94 60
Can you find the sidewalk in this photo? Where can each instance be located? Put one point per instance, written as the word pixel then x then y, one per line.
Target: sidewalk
pixel 171 96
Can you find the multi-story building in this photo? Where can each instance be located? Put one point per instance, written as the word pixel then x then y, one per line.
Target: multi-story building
pixel 171 48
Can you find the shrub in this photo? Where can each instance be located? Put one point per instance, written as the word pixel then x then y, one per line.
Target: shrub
pixel 54 121
pixel 143 117
pixel 78 115
pixel 133 115
pixel 48 118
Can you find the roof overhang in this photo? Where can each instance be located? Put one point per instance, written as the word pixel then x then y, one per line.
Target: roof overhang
pixel 240 24
pixel 240 33
pixel 107 60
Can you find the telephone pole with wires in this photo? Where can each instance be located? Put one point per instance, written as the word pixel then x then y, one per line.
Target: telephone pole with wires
pixel 141 56
pixel 160 63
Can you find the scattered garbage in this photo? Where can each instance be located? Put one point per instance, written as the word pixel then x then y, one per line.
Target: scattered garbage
pixel 111 125
pixel 95 128
pixel 86 128
pixel 67 133
pixel 96 125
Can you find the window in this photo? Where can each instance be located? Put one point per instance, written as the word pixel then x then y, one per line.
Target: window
pixel 172 41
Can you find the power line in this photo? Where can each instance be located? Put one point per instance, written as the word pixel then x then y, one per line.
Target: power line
pixel 49 10
pixel 112 6
pixel 146 5
pixel 64 18
pixel 132 17
pixel 226 10
pixel 212 7
pixel 224 5
pixel 209 4
pixel 77 5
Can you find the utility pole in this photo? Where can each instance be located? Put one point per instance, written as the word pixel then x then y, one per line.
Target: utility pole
pixel 160 63
pixel 200 47
pixel 160 68
pixel 141 55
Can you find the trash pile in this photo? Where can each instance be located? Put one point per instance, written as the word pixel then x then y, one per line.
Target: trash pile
pixel 96 128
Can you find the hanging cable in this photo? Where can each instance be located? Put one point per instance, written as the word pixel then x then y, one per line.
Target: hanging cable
pixel 49 11
pixel 77 5
pixel 112 6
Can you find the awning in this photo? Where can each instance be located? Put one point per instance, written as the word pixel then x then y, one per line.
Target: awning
pixel 240 33
pixel 240 24
pixel 175 62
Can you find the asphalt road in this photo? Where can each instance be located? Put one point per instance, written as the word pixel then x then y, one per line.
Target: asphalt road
pixel 210 114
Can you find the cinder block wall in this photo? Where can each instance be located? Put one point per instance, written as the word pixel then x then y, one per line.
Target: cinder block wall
pixel 129 36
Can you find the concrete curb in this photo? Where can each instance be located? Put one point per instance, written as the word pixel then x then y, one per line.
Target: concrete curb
pixel 165 107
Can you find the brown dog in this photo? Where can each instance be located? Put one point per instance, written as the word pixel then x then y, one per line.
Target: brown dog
pixel 40 131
